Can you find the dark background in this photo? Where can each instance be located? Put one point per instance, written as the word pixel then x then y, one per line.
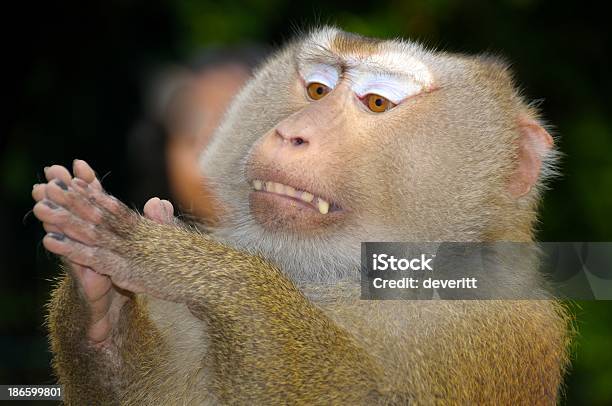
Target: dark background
pixel 77 73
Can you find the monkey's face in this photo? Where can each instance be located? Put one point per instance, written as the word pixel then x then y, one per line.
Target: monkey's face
pixel 299 169
pixel 341 139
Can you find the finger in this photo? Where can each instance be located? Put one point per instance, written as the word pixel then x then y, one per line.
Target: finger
pixel 57 172
pixel 153 210
pixel 95 286
pixel 97 291
pixel 69 224
pixel 38 191
pixel 73 201
pixel 51 228
pixel 82 170
pixel 72 250
pixel 158 210
pixel 98 197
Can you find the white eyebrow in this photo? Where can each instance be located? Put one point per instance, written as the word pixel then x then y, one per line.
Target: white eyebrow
pixel 391 74
pixel 391 87
pixel 400 64
pixel 321 73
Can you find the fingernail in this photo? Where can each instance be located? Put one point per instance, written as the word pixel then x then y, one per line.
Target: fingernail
pixel 34 186
pixel 56 236
pixel 50 204
pixel 45 169
pixel 61 184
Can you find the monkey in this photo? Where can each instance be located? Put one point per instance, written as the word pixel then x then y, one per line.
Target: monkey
pixel 335 140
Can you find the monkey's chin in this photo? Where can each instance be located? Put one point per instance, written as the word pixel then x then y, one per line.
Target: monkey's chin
pixel 278 212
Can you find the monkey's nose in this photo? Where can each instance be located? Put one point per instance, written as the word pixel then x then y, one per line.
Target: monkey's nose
pixel 294 140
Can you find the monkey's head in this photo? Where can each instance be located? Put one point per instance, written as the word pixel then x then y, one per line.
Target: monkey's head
pixel 340 139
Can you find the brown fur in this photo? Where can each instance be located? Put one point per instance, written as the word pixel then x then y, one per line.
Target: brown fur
pixel 348 43
pixel 267 317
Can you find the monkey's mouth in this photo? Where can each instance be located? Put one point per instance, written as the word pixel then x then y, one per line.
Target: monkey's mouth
pixel 301 197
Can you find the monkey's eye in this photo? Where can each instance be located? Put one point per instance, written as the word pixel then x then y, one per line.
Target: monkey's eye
pixel 317 90
pixel 377 104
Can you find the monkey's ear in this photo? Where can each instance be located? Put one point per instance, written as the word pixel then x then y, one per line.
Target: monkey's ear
pixel 534 143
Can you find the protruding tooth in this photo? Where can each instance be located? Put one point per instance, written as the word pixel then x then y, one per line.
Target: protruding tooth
pixel 307 197
pixel 323 206
pixel 257 184
pixel 290 191
pixel 279 188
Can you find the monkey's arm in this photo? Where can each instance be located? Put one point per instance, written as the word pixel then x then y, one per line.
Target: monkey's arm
pixel 267 341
